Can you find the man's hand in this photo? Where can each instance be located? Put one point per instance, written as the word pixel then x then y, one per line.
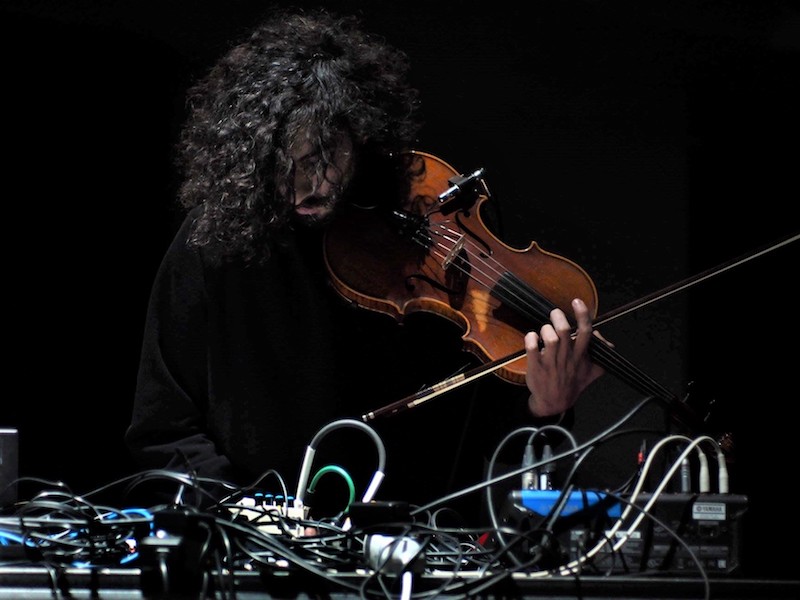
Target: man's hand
pixel 559 367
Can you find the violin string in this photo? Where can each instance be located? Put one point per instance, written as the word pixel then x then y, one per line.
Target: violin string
pixel 609 358
pixel 524 299
pixel 528 304
pixel 633 375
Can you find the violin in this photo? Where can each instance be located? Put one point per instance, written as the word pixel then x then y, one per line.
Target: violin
pixel 433 256
pixel 433 252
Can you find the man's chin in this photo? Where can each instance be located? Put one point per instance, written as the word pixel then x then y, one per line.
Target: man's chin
pixel 314 218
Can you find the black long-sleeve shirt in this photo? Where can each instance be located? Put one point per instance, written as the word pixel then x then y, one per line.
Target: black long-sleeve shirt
pixel 242 364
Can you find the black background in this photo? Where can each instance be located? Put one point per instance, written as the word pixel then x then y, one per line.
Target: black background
pixel 646 141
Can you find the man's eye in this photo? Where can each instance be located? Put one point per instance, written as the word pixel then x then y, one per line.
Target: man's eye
pixel 308 166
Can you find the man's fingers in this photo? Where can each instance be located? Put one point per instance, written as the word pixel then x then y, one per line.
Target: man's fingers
pixel 584 321
pixel 532 341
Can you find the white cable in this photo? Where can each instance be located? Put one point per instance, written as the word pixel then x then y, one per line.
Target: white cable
pixel 305 472
pixel 372 489
pixel 704 479
pixel 723 482
pixel 654 497
pixel 305 469
pixel 694 444
pixel 407 580
pixel 571 567
pixel 722 477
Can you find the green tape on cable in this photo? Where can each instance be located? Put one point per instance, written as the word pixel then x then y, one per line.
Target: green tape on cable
pixel 340 471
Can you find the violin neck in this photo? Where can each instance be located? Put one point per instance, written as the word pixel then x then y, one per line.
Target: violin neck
pixel 626 371
pixel 536 309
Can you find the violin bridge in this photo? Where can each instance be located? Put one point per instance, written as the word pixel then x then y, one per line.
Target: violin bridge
pixel 450 256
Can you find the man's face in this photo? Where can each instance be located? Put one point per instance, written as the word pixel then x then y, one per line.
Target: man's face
pixel 317 193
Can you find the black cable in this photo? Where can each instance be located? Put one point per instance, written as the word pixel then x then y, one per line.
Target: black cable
pixel 514 473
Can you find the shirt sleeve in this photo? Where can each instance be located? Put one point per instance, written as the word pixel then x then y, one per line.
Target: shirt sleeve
pixel 167 428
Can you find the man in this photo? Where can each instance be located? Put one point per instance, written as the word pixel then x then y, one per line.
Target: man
pixel 247 352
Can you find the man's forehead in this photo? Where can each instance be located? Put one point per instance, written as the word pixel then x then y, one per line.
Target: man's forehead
pixel 303 148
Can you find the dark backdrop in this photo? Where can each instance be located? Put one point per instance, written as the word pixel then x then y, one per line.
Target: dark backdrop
pixel 646 141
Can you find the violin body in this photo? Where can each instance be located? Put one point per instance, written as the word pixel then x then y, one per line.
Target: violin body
pixel 439 257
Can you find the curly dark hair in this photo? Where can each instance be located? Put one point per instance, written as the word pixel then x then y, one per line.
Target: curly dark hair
pixel 310 73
